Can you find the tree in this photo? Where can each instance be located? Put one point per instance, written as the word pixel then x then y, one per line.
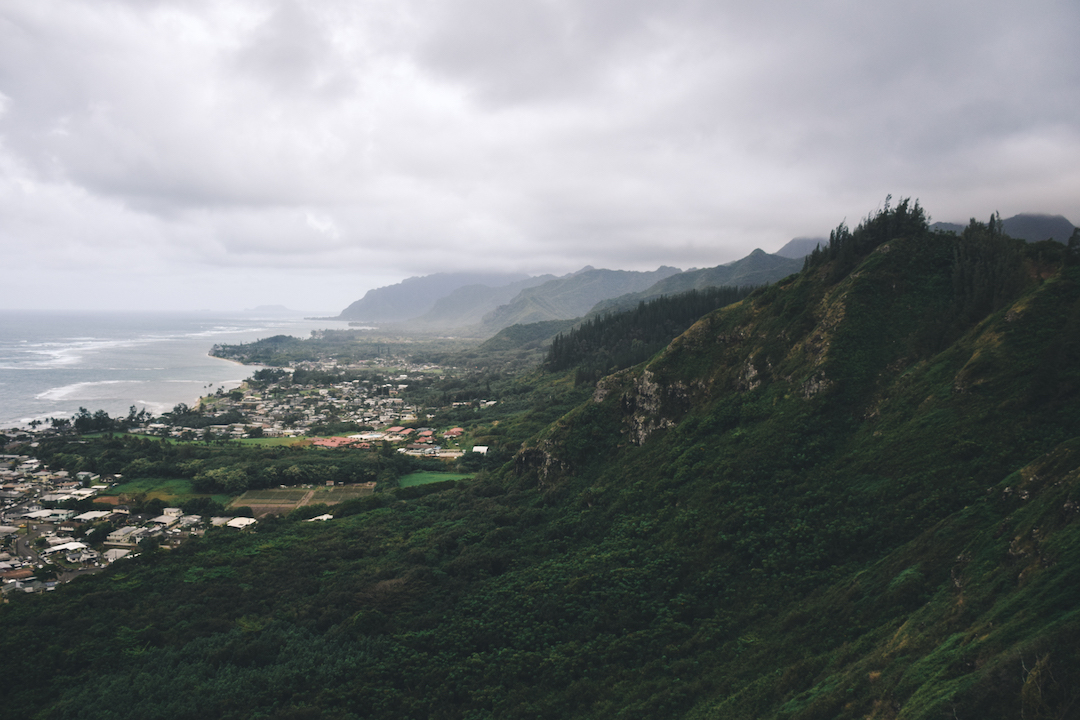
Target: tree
pixel 1072 253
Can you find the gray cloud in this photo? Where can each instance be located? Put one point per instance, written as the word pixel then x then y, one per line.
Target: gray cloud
pixel 223 146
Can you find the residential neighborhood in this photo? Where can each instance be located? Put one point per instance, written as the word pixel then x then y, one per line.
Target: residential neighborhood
pixel 44 543
pixel 49 534
pixel 280 408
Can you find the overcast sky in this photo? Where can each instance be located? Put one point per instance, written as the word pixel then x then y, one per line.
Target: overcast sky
pixel 224 153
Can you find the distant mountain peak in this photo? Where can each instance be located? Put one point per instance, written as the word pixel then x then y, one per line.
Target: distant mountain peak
pixel 800 247
pixel 417 295
pixel 1029 227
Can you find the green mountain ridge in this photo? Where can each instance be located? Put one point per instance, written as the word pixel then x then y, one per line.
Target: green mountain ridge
pixel 1029 227
pixel 800 247
pixel 853 494
pixel 467 306
pixel 416 296
pixel 570 297
pixel 757 268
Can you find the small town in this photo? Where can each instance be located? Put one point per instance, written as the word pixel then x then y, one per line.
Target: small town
pixel 276 407
pixel 45 542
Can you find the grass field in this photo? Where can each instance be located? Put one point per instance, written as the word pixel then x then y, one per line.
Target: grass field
pixel 272 442
pixel 124 434
pixel 423 478
pixel 153 487
pixel 168 490
pixel 284 500
pixel 277 495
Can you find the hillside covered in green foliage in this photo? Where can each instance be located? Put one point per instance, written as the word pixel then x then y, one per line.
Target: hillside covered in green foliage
pixel 852 494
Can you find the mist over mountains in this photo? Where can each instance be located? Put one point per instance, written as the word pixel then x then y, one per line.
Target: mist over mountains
pixel 1029 227
pixel 853 493
pixel 482 304
pixel 416 296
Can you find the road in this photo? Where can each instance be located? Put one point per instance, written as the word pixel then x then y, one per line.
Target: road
pixel 24 547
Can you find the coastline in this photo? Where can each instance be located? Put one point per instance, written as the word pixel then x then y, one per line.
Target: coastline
pixel 53 363
pixel 235 362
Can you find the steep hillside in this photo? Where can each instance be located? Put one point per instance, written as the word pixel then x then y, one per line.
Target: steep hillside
pixel 532 335
pixel 610 342
pixel 757 268
pixel 800 247
pixel 1033 227
pixel 844 464
pixel 853 494
pixel 1029 227
pixel 570 297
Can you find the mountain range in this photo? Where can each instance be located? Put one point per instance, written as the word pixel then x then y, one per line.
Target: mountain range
pixel 461 303
pixel 1029 227
pixel 854 493
pixel 416 296
pixel 756 269
pixel 482 304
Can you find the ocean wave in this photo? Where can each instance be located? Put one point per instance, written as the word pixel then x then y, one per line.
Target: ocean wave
pixel 71 352
pixel 66 391
pixel 157 407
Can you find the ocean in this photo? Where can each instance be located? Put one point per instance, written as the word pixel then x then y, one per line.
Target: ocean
pixel 53 363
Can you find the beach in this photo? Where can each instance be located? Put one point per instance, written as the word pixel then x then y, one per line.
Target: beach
pixel 52 362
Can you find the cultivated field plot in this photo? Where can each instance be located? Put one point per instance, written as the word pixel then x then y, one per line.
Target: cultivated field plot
pixel 282 501
pixel 423 478
pixel 171 491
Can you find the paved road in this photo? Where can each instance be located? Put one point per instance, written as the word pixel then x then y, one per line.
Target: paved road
pixel 24 547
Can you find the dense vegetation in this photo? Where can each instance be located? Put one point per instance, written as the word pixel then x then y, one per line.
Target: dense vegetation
pixel 615 341
pixel 221 467
pixel 345 346
pixel 852 494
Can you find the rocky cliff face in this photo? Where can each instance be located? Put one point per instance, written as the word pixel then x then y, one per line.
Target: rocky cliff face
pixel 811 339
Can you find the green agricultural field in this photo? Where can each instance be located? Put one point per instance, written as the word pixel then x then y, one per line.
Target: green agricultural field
pixel 277 495
pixel 340 493
pixel 423 478
pixel 169 490
pixel 271 441
pixel 144 436
pixel 155 487
pixel 282 501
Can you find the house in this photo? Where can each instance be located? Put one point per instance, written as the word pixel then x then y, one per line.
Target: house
pixel 130 535
pixel 19 574
pixel 92 516
pixel 65 547
pixel 165 521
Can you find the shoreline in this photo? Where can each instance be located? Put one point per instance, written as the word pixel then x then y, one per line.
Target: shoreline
pixel 235 362
pixel 50 369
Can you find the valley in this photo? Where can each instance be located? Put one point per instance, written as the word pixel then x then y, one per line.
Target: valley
pixel 849 493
